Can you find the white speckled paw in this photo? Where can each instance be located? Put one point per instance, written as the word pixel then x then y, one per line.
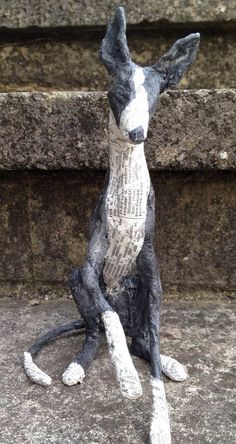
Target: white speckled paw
pixel 130 385
pixel 73 374
pixel 158 435
pixel 160 426
pixel 34 373
pixel 173 369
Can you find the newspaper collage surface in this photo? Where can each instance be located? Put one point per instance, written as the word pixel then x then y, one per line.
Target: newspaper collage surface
pixel 126 206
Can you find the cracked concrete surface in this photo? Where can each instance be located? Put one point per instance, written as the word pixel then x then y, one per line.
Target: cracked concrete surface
pixel 201 335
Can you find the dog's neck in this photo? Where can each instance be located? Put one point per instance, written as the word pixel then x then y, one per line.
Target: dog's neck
pixel 126 206
pixel 129 176
pixel 126 158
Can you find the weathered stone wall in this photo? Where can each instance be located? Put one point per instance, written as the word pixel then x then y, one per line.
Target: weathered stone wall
pixel 45 218
pixel 53 45
pixel 70 60
pixel 48 140
pixel 96 12
pixel 192 130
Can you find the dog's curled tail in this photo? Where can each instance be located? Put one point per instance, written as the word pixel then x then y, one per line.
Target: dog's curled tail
pixel 32 370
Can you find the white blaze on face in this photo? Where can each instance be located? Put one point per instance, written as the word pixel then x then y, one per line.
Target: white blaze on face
pixel 136 112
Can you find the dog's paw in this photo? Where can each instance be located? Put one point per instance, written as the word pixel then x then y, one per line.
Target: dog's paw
pixel 130 385
pixel 160 426
pixel 173 369
pixel 73 374
pixel 160 434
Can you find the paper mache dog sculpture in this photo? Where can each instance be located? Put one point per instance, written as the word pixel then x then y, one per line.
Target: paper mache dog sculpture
pixel 118 289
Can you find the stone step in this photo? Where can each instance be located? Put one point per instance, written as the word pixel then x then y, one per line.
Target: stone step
pixel 44 226
pixel 193 130
pixel 33 61
pixel 46 13
pixel 36 36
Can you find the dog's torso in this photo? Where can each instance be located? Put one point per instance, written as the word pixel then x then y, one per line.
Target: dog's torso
pixel 126 207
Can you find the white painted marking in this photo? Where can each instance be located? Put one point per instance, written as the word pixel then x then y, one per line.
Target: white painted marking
pixel 160 426
pixel 125 371
pixel 34 373
pixel 136 112
pixel 173 369
pixel 73 374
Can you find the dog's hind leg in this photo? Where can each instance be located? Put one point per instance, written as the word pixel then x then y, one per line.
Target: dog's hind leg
pixel 75 372
pixel 140 345
pixel 170 366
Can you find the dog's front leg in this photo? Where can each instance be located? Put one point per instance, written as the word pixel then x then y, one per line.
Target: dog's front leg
pixel 125 371
pixel 149 273
pixel 92 303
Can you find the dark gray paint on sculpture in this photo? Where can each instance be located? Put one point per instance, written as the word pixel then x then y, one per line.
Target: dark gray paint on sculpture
pixel 115 55
pixel 139 297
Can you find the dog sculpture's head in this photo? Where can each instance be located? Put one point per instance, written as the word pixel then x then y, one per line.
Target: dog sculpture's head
pixel 133 90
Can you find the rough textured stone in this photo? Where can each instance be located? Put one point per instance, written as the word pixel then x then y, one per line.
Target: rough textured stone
pixel 60 206
pixel 201 409
pixel 45 131
pixel 193 130
pixel 96 12
pixel 37 64
pixel 195 231
pixel 15 245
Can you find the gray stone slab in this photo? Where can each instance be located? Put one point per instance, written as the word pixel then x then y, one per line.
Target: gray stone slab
pixel 195 233
pixel 15 242
pixel 60 208
pixel 200 335
pixel 37 64
pixel 24 13
pixel 46 131
pixel 44 235
pixel 193 130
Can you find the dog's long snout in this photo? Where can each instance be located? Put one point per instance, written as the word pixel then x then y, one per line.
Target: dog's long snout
pixel 137 135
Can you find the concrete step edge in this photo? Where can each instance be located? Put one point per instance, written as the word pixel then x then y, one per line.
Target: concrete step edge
pixel 93 13
pixel 192 130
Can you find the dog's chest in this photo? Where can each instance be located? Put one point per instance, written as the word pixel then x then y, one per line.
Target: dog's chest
pixel 126 206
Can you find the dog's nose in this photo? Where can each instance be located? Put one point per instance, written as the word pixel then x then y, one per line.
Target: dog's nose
pixel 137 135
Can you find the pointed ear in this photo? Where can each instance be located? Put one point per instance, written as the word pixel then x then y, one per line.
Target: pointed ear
pixel 172 66
pixel 114 51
